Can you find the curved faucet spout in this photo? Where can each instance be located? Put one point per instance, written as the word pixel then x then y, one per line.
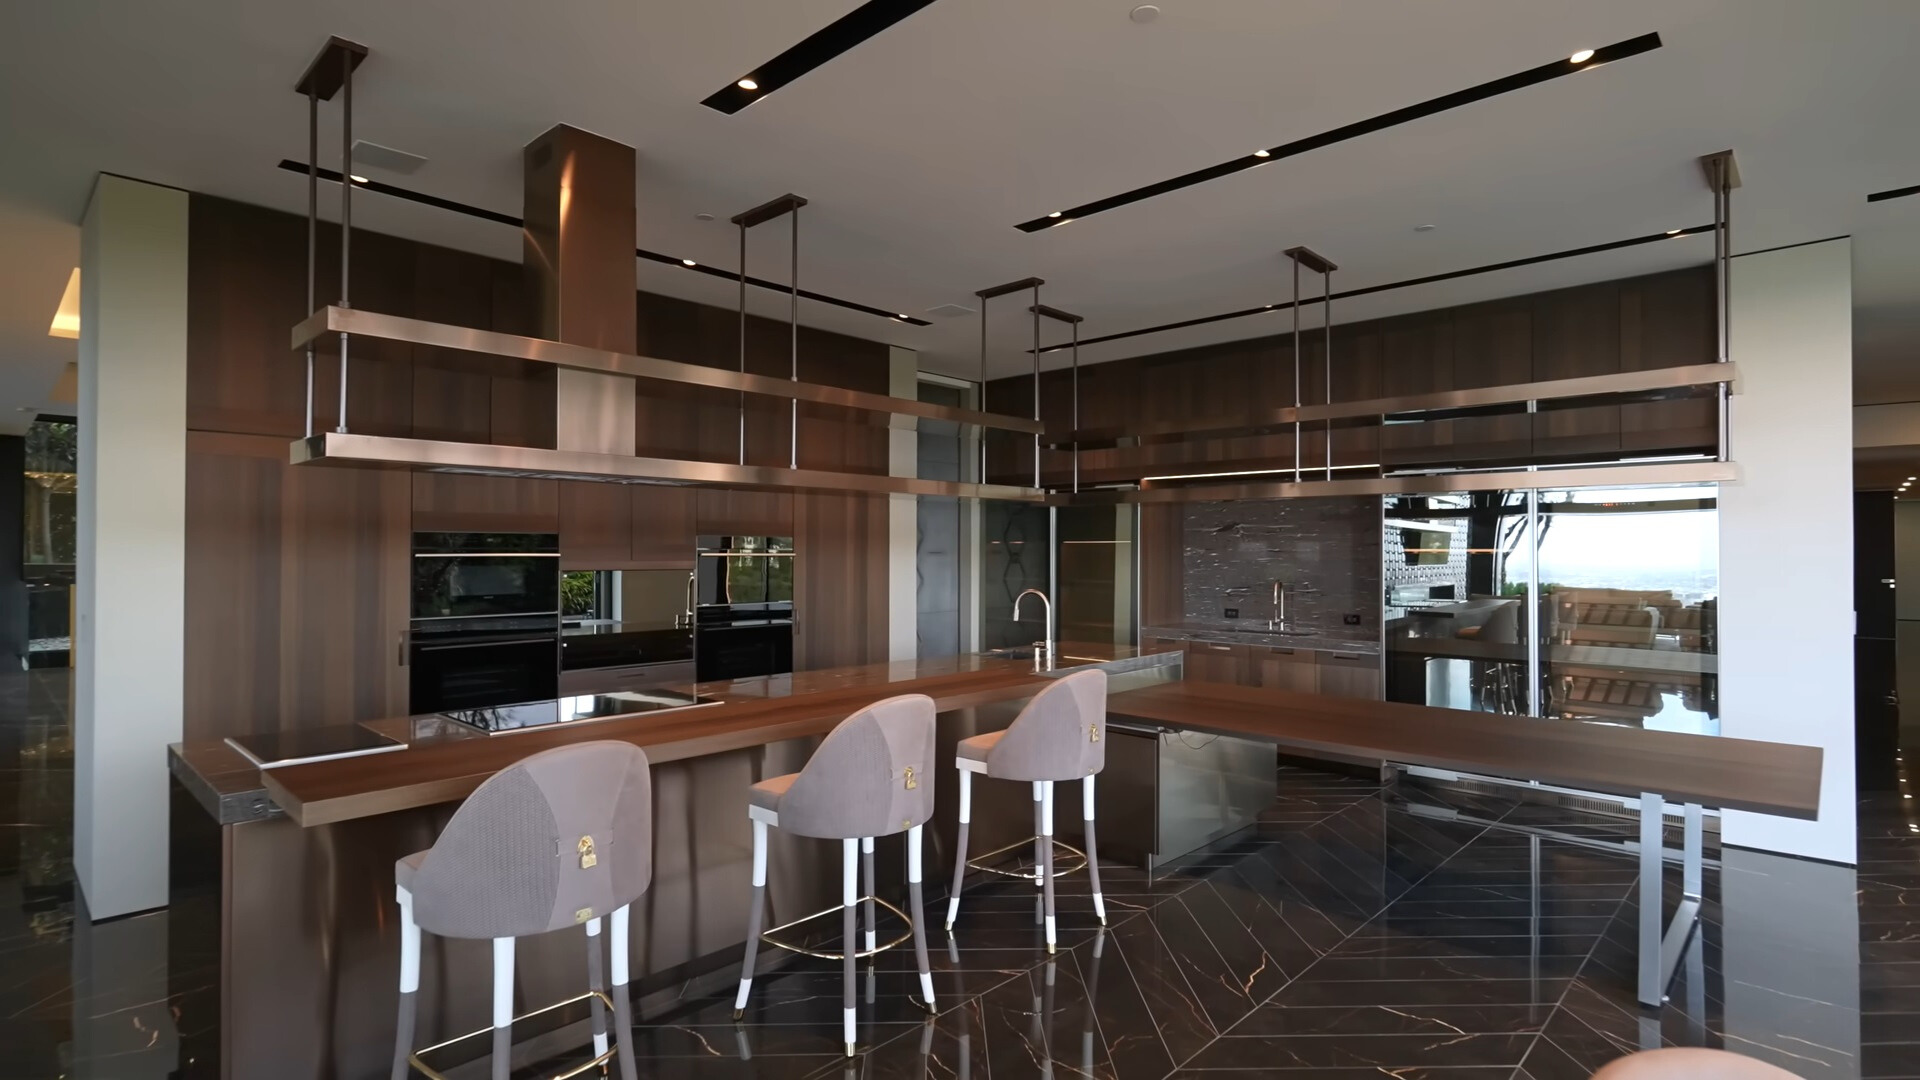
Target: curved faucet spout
pixel 1043 656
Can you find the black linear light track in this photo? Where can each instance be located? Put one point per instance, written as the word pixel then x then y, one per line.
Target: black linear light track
pixel 333 177
pixel 823 45
pixel 1894 193
pixel 1619 50
pixel 1612 245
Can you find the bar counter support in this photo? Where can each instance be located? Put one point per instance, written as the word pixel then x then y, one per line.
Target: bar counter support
pixel 1660 954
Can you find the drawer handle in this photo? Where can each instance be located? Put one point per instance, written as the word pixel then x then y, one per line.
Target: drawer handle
pixel 1347 656
pixel 1220 648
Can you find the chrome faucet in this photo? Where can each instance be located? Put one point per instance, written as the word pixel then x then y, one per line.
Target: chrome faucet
pixel 1279 619
pixel 1042 650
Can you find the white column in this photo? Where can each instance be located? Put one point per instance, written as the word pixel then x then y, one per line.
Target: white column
pixel 1786 534
pixel 903 519
pixel 132 550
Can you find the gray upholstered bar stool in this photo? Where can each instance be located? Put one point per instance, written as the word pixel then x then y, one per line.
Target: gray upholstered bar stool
pixel 869 778
pixel 1056 737
pixel 561 839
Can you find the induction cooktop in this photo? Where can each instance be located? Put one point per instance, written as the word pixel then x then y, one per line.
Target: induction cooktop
pixel 502 719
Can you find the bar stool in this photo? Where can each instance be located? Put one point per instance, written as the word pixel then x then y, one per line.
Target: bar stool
pixel 1056 737
pixel 869 778
pixel 563 838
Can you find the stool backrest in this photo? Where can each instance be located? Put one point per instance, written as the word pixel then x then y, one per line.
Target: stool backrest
pixel 871 776
pixel 1060 735
pixel 1691 1063
pixel 559 838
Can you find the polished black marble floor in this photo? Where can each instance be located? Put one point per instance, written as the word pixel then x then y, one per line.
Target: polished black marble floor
pixel 1409 932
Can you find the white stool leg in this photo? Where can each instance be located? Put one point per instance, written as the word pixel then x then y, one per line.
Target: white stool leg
pixel 960 847
pixel 866 861
pixel 597 982
pixel 849 900
pixel 409 984
pixel 502 1007
pixel 1039 840
pixel 919 915
pixel 622 1004
pixel 756 909
pixel 1046 865
pixel 1093 848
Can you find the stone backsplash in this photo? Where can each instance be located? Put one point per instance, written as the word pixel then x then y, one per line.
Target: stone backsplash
pixel 1326 550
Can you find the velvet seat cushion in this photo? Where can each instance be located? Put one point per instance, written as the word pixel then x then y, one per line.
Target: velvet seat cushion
pixel 979 746
pixel 767 793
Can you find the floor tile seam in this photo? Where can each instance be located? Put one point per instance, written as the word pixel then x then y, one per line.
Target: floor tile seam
pixel 1316 960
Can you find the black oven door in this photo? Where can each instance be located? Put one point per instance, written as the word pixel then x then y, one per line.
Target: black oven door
pixel 456 586
pixel 741 652
pixel 478 670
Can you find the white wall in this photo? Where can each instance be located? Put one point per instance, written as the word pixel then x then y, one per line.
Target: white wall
pixel 1786 533
pixel 131 542
pixel 903 527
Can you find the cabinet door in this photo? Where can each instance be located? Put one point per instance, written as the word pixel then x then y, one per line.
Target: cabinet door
pixel 1576 332
pixel 1349 675
pixel 1285 669
pixel 663 530
pixel 596 525
pixel 1211 662
pixel 1666 320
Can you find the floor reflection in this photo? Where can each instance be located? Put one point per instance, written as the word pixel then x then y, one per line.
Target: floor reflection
pixel 1415 932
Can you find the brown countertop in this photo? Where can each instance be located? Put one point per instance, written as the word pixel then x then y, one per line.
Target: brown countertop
pixel 1738 774
pixel 438 766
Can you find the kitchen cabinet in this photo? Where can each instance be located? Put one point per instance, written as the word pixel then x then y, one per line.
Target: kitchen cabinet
pixel 663 527
pixel 1666 320
pixel 1576 332
pixel 1284 669
pixel 459 502
pixel 1349 675
pixel 596 525
pixel 1210 661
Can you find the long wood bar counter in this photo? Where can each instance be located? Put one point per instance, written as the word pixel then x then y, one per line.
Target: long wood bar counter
pixel 1653 766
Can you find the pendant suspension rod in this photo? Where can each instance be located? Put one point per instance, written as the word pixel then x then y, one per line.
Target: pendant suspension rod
pixel 1723 175
pixel 1298 450
pixel 985 295
pixel 743 341
pixel 1326 336
pixel 1036 380
pixel 346 215
pixel 1072 321
pixel 313 228
pixel 982 478
pixel 793 359
pixel 1318 264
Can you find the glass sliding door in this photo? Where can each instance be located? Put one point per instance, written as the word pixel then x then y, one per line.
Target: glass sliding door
pixel 1456 600
pixel 1629 606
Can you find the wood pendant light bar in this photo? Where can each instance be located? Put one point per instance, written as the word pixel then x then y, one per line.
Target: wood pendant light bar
pixel 337 320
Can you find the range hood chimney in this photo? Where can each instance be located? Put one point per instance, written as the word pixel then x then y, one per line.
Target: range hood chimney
pixel 578 244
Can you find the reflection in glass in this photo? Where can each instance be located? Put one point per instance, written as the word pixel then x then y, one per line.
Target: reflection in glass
pixel 1630 584
pixel 1456 600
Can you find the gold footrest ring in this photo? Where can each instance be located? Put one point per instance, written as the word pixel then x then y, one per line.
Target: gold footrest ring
pixel 598 1060
pixel 768 935
pixel 1076 860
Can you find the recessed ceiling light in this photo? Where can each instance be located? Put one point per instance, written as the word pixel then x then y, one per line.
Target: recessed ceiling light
pixel 66 317
pixel 357 178
pixel 1673 232
pixel 1056 213
pixel 686 262
pixel 1581 57
pixel 703 217
pixel 1145 13
pixel 1263 153
pixel 747 84
pixel 1424 228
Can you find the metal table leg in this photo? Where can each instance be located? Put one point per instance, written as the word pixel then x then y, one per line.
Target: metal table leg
pixel 1660 955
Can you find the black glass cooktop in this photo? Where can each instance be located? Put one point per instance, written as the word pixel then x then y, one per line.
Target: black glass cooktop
pixel 500 719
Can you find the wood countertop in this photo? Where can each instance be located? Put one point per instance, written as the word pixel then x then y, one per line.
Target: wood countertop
pixel 751 712
pixel 1737 774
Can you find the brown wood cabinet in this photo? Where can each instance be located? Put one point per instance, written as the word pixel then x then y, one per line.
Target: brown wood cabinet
pixel 1210 661
pixel 1284 669
pixel 1349 675
pixel 663 527
pixel 452 502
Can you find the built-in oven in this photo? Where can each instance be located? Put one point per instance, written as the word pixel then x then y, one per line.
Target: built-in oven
pixel 485 627
pixel 743 611
pixel 485 575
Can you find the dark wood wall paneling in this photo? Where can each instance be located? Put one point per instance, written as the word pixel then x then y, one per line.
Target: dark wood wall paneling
pixel 297 578
pixel 1660 320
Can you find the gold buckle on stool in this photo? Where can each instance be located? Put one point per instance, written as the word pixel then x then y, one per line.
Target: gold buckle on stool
pixel 426 1070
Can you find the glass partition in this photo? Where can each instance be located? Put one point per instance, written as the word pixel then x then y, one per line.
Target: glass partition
pixel 1624 630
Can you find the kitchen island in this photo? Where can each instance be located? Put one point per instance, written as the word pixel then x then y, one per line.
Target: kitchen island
pixel 309 947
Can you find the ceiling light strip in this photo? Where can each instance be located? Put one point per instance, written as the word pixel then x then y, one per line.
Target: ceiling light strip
pixel 823 45
pixel 1531 260
pixel 1565 66
pixel 333 177
pixel 1894 193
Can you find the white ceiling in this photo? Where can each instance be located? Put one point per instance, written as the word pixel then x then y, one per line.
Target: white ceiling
pixel 921 148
